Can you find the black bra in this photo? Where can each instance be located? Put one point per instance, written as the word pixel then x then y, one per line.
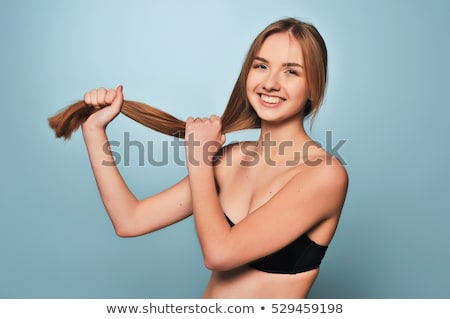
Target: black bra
pixel 301 255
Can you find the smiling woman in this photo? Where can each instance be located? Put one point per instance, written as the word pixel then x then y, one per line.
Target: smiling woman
pixel 263 227
pixel 277 89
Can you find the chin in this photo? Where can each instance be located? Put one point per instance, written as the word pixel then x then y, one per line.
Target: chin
pixel 271 118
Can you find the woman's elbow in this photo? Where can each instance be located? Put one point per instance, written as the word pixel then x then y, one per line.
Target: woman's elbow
pixel 216 261
pixel 125 231
pixel 122 233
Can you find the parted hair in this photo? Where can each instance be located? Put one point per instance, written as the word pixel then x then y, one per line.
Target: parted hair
pixel 238 114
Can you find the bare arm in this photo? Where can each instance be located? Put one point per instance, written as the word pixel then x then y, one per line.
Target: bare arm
pixel 312 197
pixel 130 216
pixel 209 219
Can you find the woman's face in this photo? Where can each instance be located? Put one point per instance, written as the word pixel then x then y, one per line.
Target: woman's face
pixel 276 84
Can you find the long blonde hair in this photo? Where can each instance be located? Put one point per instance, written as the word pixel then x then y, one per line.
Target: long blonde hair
pixel 238 114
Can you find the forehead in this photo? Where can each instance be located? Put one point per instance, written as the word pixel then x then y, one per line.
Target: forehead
pixel 281 48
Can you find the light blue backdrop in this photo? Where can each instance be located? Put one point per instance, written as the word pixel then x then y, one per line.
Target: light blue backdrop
pixel 388 98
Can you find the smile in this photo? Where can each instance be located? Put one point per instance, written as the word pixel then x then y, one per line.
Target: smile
pixel 271 100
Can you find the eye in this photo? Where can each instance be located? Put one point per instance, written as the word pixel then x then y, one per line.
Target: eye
pixel 260 66
pixel 291 71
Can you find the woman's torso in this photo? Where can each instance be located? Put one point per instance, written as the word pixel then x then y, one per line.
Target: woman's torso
pixel 242 189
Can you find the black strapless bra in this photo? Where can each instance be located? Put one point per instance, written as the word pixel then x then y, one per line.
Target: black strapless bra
pixel 301 255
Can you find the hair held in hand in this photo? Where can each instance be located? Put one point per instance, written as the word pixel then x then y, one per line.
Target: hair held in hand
pixel 70 119
pixel 238 114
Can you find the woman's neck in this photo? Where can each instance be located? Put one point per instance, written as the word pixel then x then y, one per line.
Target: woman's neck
pixel 283 139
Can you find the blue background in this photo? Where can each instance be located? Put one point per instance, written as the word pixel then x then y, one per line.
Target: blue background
pixel 388 99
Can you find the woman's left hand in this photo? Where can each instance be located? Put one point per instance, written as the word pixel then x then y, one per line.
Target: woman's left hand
pixel 204 138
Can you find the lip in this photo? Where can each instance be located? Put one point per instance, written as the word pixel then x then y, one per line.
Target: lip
pixel 270 105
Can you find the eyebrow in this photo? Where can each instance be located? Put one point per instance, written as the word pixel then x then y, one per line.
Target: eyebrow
pixel 288 64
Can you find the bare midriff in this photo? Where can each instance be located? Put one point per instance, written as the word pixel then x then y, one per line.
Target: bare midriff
pixel 246 282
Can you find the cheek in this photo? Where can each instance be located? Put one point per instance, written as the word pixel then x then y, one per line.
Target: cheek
pixel 250 80
pixel 250 84
pixel 300 90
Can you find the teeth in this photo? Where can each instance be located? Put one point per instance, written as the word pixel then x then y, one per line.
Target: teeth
pixel 271 99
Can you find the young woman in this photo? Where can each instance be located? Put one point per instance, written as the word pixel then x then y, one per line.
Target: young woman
pixel 265 211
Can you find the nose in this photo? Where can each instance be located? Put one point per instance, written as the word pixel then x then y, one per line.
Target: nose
pixel 271 82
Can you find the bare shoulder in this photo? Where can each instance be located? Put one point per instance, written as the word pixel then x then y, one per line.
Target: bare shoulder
pixel 319 166
pixel 327 170
pixel 324 182
pixel 327 173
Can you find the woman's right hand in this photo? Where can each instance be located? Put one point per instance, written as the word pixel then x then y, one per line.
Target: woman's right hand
pixel 108 101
